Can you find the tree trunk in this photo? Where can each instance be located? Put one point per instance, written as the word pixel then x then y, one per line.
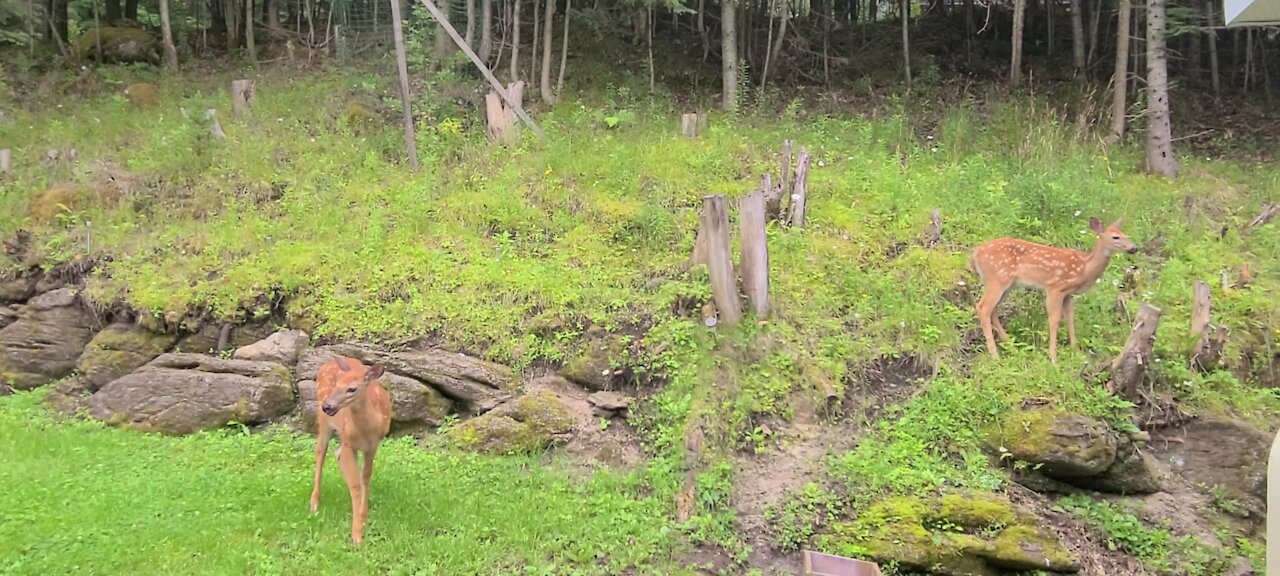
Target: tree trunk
pixel 1160 157
pixel 1053 31
pixel 166 33
pixel 534 75
pixel 1195 54
pixel 486 29
pixel 442 46
pixel 113 12
pixel 1213 46
pixel 272 11
pixel 776 49
pixel 906 41
pixel 729 55
pixel 58 21
pixel 1094 20
pixel 1120 79
pixel 564 49
pixel 131 9
pixel 402 68
pixel 1077 36
pixel 471 22
pixel 1019 21
pixel 968 32
pixel 515 40
pixel 229 16
pixel 248 31
pixel 548 37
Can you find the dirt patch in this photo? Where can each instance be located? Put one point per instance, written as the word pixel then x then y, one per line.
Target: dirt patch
pixel 1087 544
pixel 872 387
pixel 594 443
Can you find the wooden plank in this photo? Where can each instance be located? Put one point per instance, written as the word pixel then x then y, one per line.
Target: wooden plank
pixel 785 180
pixel 1210 339
pixel 1128 368
pixel 755 252
pixel 6 161
pixel 724 285
pixel 799 195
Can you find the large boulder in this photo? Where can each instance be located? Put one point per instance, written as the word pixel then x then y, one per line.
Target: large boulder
pixel 963 534
pixel 1133 473
pixel 1228 455
pixel 119 349
pixel 414 405
pixel 476 385
pixel 18 289
pixel 119 44
pixel 1065 445
pixel 284 347
pixel 182 393
pixel 204 339
pixel 43 344
pixel 532 422
pixel 8 315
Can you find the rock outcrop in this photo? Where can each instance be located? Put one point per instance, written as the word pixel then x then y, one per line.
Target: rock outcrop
pixel 529 423
pixel 182 393
pixel 284 347
pixel 45 341
pixel 119 349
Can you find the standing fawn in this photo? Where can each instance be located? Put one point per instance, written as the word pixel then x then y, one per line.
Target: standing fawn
pixel 353 404
pixel 1061 272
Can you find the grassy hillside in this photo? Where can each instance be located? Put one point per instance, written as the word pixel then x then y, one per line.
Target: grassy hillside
pixel 525 255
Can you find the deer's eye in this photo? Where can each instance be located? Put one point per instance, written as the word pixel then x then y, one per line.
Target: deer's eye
pixel 352 389
pixel 1115 237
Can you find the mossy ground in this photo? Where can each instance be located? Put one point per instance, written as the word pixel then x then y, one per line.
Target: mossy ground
pixel 516 254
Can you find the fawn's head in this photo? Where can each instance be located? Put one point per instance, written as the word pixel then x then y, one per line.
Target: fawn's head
pixel 1112 238
pixel 352 381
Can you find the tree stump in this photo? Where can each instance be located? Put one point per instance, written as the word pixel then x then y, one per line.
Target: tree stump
pixel 755 252
pixel 1129 367
pixel 51 159
pixel 501 117
pixel 242 94
pixel 800 192
pixel 1210 338
pixel 785 182
pixel 714 226
pixel 6 161
pixel 693 124
pixel 772 196
pixel 215 127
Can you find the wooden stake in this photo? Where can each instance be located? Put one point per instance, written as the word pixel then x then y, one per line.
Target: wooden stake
pixel 488 75
pixel 6 161
pixel 755 252
pixel 724 285
pixel 402 72
pixel 501 118
pixel 1207 351
pixel 242 94
pixel 772 196
pixel 785 182
pixel 799 193
pixel 215 127
pixel 933 233
pixel 1128 368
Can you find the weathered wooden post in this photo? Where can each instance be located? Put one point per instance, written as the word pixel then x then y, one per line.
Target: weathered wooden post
pixel 1131 364
pixel 6 161
pixel 784 182
pixel 799 195
pixel 933 233
pixel 501 118
pixel 215 127
pixel 714 228
pixel 242 94
pixel 755 252
pixel 1207 350
pixel 693 124
pixel 1268 212
pixel 1273 508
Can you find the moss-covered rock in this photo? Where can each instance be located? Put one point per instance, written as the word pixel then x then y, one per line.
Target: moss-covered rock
pixel 118 350
pixel 1132 473
pixel 1029 548
pixel 596 365
pixel 142 95
pixel 119 44
pixel 529 423
pixel 962 534
pixel 1064 445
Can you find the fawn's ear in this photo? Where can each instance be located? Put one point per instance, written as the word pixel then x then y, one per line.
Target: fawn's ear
pixel 1095 225
pixel 1117 223
pixel 343 365
pixel 373 373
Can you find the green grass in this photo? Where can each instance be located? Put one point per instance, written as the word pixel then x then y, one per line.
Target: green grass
pixel 83 498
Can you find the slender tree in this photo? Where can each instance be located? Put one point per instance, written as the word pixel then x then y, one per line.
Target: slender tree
pixel 402 68
pixel 906 40
pixel 1019 20
pixel 1077 36
pixel 564 49
pixel 729 54
pixel 548 39
pixel 486 29
pixel 1120 80
pixel 1160 158
pixel 166 33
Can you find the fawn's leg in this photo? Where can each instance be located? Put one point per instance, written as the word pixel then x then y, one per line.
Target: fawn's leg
pixel 1053 301
pixel 995 317
pixel 322 449
pixel 991 297
pixel 351 473
pixel 368 474
pixel 1069 308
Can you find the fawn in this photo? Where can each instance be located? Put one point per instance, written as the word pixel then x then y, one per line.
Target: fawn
pixel 1061 272
pixel 353 404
